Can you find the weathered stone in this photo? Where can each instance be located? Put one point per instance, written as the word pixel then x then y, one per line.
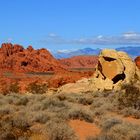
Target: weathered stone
pixel 113 69
pixel 115 66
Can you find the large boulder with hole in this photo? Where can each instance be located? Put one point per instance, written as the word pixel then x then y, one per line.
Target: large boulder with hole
pixel 114 68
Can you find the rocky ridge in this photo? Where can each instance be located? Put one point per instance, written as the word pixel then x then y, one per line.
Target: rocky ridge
pixel 16 58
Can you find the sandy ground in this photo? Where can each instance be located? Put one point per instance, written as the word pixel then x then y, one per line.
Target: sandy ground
pixel 84 129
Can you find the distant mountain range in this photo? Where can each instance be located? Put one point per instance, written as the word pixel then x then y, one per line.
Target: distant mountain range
pixel 68 54
pixel 133 51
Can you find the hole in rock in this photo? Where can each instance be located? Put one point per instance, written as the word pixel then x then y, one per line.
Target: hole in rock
pixel 109 59
pixel 118 78
pixel 24 63
pixel 100 69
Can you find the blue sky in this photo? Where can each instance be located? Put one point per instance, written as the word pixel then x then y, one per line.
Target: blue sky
pixel 70 24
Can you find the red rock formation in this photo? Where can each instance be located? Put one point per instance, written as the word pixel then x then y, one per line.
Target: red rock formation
pixel 80 62
pixel 19 61
pixel 16 58
pixel 137 61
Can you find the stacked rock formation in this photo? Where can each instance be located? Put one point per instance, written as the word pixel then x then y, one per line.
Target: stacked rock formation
pixel 113 69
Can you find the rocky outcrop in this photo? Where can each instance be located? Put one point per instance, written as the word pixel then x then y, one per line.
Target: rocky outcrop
pixel 113 69
pixel 28 65
pixel 80 62
pixel 16 58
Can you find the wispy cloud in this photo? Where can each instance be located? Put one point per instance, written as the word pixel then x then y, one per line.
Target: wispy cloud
pixel 128 38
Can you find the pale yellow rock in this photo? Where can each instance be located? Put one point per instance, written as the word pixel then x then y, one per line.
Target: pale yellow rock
pixel 78 87
pixel 109 53
pixel 114 69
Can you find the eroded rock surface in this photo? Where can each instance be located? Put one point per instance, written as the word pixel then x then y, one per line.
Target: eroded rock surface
pixel 113 69
pixel 17 59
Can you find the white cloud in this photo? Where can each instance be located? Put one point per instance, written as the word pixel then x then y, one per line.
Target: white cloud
pixel 52 35
pixel 100 37
pixel 128 38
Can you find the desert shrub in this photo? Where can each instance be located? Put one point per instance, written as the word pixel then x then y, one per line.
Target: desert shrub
pixel 36 88
pixel 51 103
pixel 118 131
pixel 130 97
pixel 7 136
pixel 14 87
pixel 40 117
pixel 60 131
pixel 125 131
pixel 10 88
pixel 23 100
pixel 20 121
pixel 130 112
pixel 16 99
pixel 101 137
pixel 23 138
pixel 6 109
pixel 109 123
pixel 114 129
pixel 85 99
pixel 102 105
pixel 81 114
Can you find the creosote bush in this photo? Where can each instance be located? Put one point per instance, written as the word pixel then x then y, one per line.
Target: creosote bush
pixel 130 97
pixel 36 88
pixel 37 115
pixel 60 131
pixel 12 88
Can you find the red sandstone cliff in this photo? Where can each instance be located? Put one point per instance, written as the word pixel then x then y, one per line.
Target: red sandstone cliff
pixel 80 62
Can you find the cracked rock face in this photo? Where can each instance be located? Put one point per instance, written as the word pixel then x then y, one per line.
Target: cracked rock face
pixel 114 69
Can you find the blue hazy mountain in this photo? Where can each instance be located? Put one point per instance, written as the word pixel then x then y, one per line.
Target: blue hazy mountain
pixel 133 51
pixel 85 51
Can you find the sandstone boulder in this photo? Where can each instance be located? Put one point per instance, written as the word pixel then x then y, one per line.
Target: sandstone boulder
pixel 116 67
pixel 113 69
